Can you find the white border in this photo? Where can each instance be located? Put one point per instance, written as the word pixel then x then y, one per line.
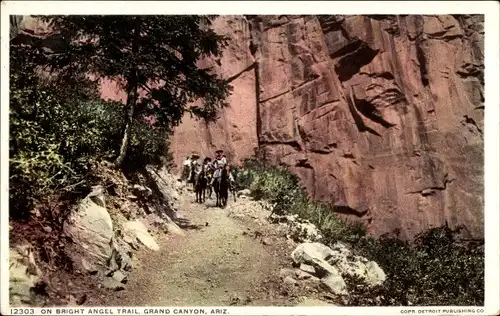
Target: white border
pixel 489 8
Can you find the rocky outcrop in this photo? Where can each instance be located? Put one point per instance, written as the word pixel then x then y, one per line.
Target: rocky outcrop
pixel 381 115
pixel 24 277
pixel 136 231
pixel 331 264
pixel 90 230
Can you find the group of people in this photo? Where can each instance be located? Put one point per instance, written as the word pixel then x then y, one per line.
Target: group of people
pixel 192 167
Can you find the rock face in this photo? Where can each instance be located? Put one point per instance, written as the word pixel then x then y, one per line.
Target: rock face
pixel 381 115
pixel 136 230
pixel 91 230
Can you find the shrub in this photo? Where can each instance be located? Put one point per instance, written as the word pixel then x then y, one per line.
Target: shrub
pixel 434 269
pixel 283 189
pixel 58 132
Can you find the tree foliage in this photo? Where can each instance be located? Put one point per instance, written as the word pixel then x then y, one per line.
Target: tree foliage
pixel 154 56
pixel 59 126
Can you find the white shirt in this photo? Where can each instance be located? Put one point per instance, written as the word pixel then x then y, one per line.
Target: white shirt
pixel 223 161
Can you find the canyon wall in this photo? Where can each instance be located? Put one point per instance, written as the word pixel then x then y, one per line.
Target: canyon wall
pixel 381 115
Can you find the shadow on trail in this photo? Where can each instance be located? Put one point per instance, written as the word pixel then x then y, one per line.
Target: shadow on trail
pixel 185 223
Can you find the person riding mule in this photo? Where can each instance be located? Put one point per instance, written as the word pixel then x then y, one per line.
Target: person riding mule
pixel 222 179
pixel 209 170
pixel 221 187
pixel 200 184
pixel 194 167
pixel 186 166
pixel 219 163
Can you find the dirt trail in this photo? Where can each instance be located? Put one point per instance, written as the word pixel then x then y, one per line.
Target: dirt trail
pixel 220 261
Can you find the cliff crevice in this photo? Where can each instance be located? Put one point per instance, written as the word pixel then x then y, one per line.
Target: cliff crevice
pixel 395 92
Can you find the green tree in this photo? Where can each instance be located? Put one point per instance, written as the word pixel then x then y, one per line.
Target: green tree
pixel 154 58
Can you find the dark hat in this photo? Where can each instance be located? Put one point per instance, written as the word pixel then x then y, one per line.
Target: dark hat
pixel 219 151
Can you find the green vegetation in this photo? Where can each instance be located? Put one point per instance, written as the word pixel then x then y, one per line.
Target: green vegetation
pixel 60 127
pixel 153 57
pixel 434 269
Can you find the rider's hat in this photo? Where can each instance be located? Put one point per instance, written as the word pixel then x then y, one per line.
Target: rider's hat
pixel 219 151
pixel 195 155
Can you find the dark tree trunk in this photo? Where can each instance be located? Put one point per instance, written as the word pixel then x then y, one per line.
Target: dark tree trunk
pixel 132 96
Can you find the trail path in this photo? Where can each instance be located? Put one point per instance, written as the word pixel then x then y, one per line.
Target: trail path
pixel 225 258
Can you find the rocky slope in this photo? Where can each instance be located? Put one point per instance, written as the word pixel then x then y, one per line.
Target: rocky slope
pixel 381 115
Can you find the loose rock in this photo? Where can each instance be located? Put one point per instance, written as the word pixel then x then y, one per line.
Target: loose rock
pixel 289 280
pixel 307 268
pixel 137 230
pixel 112 284
pixel 120 276
pixel 266 241
pixel 335 284
pixel 24 275
pixel 286 272
pixel 331 263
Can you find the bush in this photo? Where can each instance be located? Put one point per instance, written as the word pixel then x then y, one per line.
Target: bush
pixel 58 132
pixel 434 269
pixel 283 188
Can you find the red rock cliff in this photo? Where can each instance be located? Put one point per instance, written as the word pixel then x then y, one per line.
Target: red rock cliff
pixel 382 115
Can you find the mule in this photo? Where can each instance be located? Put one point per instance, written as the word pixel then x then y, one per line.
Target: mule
pixel 191 176
pixel 221 188
pixel 200 186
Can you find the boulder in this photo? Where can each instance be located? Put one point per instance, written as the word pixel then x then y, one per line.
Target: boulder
pixel 343 259
pixel 121 258
pixel 301 275
pixel 170 226
pixel 310 253
pixel 307 268
pixel 335 284
pixel 136 230
pixel 168 187
pixel 331 263
pixel 289 280
pixel 374 274
pixel 112 284
pixel 24 275
pixel 90 228
pixel 119 276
